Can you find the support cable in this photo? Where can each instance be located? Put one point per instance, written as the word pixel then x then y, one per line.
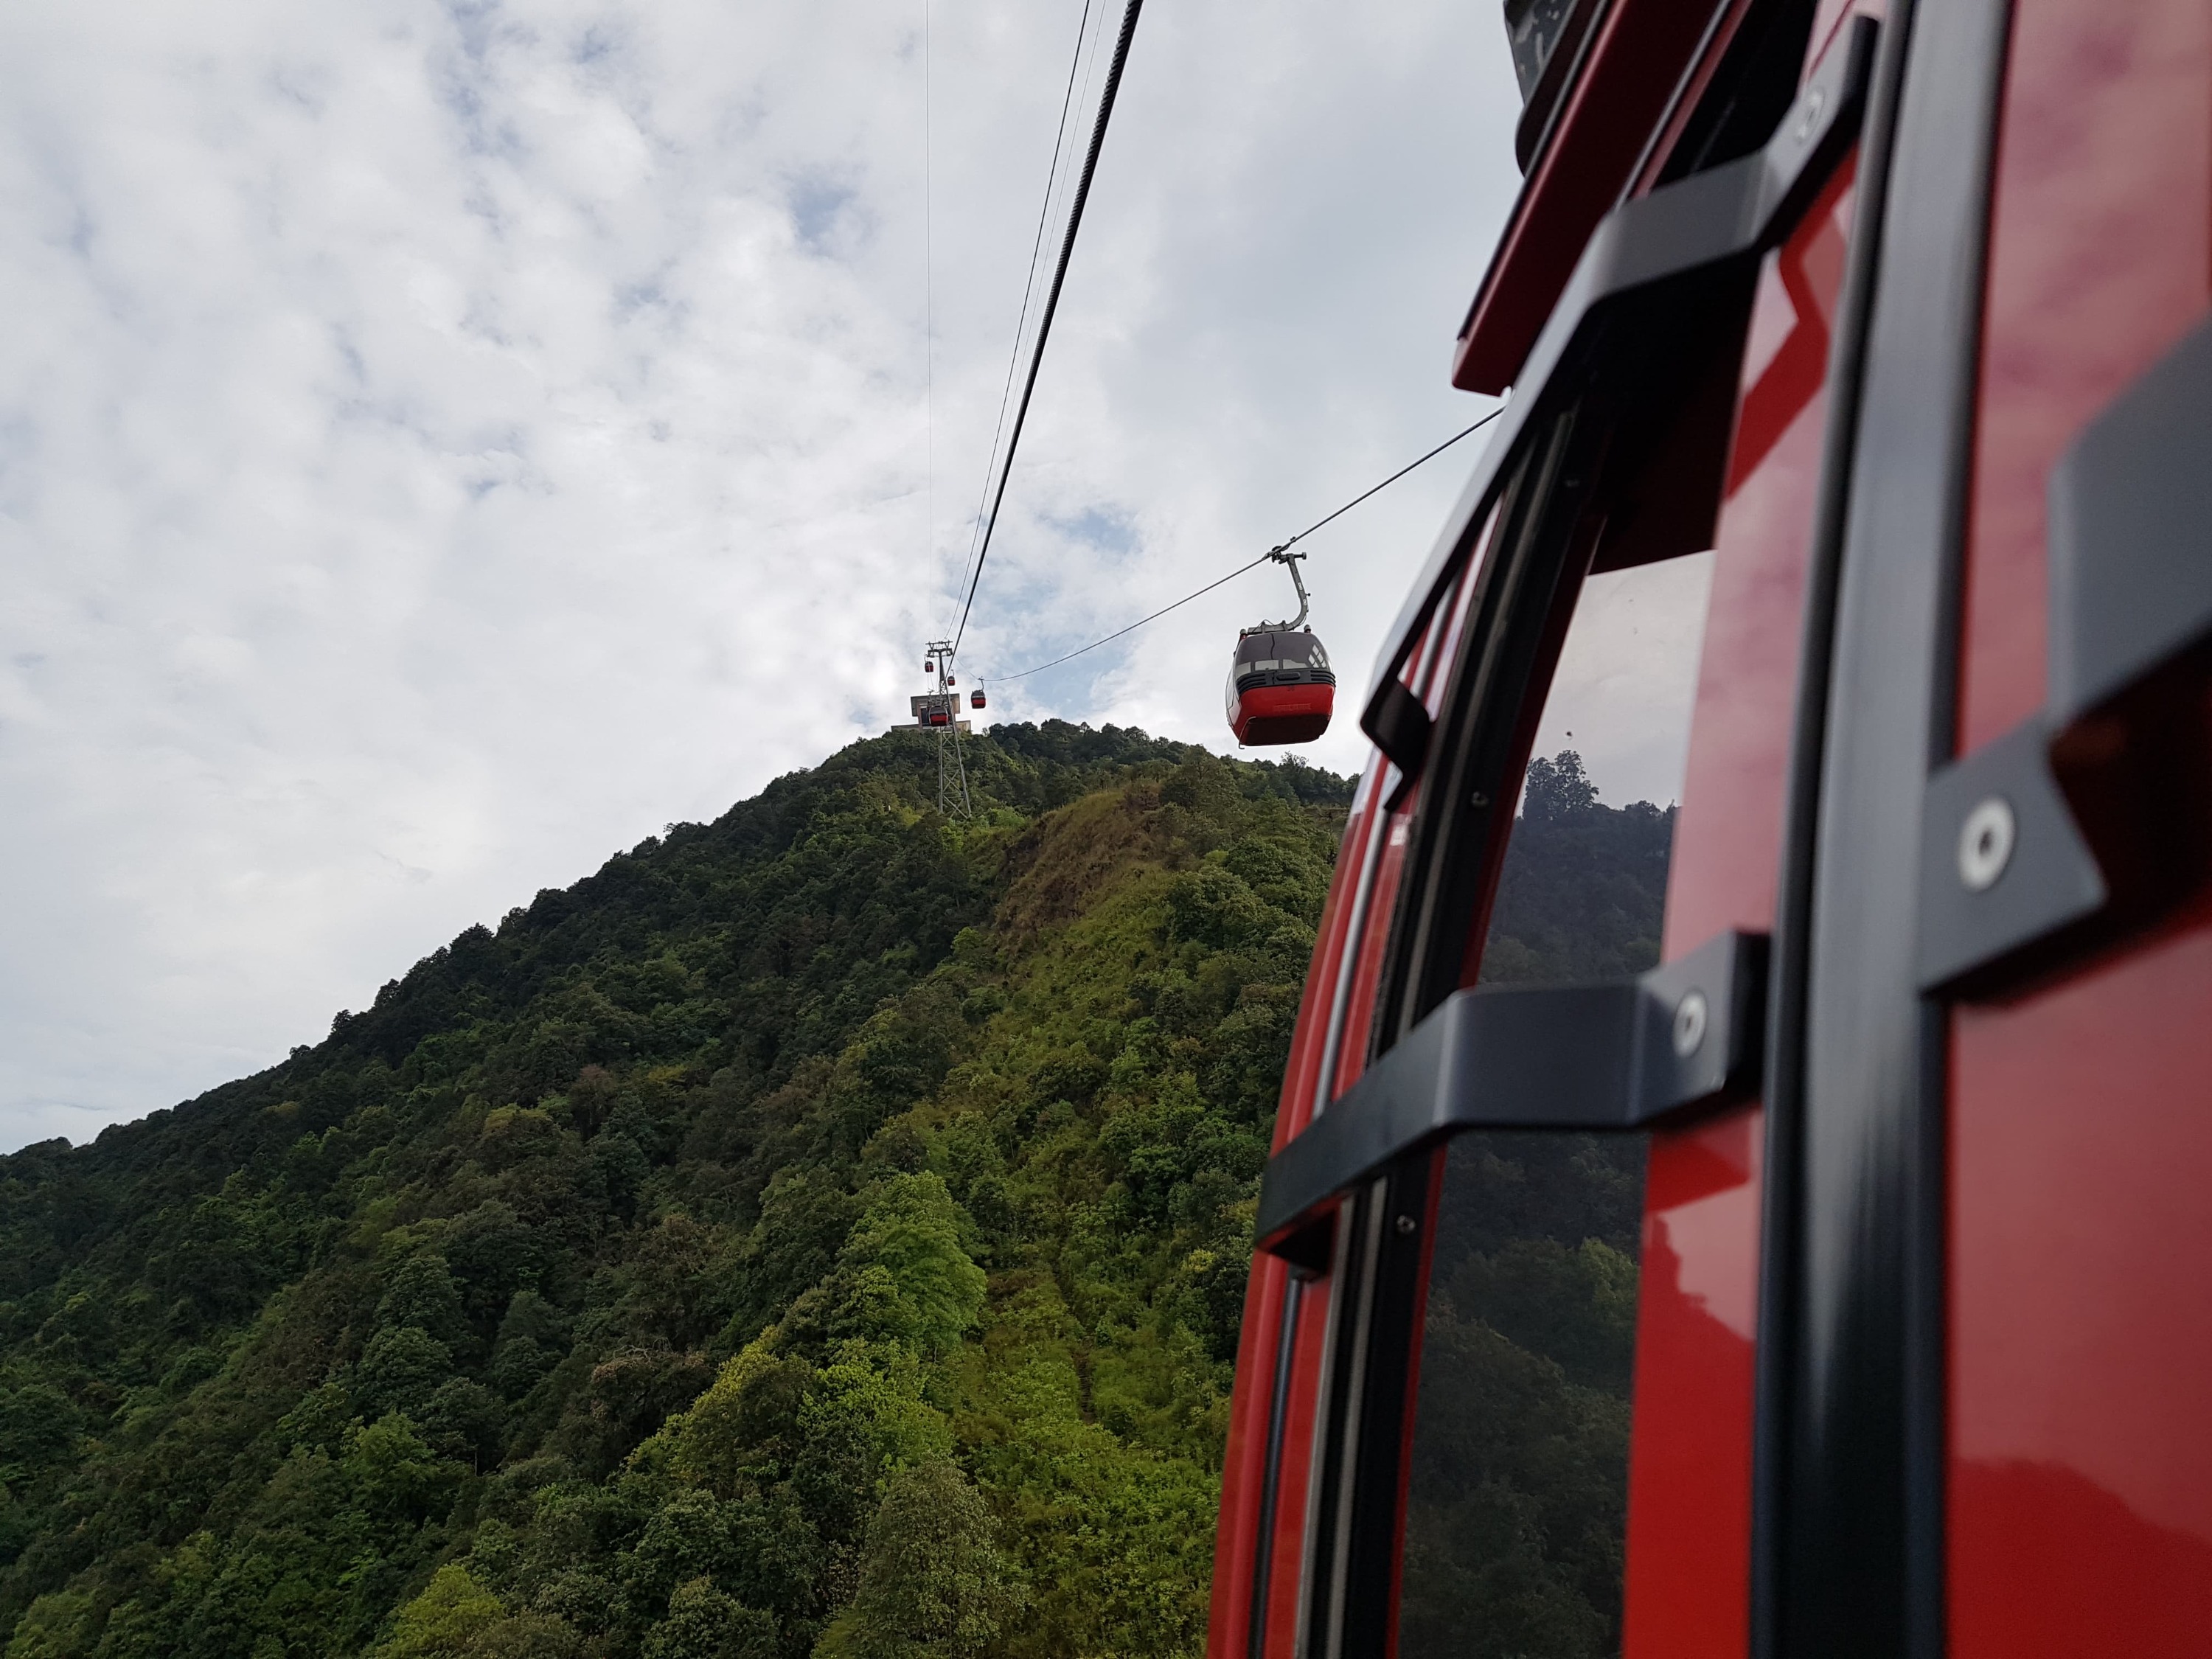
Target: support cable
pixel 1277 553
pixel 1029 285
pixel 928 316
pixel 1051 301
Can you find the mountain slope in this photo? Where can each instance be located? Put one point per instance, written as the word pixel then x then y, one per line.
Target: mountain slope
pixel 639 1266
pixel 820 1231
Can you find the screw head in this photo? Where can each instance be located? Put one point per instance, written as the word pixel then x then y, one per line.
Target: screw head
pixel 1408 1225
pixel 1985 843
pixel 1691 1017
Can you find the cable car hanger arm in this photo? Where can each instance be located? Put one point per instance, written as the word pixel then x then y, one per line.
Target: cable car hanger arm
pixel 1288 560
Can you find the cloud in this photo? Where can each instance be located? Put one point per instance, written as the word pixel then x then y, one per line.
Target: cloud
pixel 440 445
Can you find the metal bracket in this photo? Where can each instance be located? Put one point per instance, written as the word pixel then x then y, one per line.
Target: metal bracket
pixel 2094 815
pixel 1290 562
pixel 2001 863
pixel 1704 225
pixel 1619 1054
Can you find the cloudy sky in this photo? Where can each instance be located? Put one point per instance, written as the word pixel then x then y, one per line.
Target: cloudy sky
pixel 441 444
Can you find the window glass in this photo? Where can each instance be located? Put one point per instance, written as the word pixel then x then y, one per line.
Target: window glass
pixel 1518 1465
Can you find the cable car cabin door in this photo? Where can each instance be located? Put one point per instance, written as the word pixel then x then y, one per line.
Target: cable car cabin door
pixel 1862 1175
pixel 1445 1333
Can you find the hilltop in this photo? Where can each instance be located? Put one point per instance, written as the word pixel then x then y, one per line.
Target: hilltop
pixel 821 1230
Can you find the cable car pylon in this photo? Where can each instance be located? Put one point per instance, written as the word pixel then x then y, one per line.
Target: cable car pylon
pixel 938 710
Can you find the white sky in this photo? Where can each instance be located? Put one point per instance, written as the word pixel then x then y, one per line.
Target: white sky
pixel 1627 675
pixel 441 445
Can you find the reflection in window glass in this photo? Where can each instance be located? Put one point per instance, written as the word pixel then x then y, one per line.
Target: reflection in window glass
pixel 1517 1497
pixel 1516 1506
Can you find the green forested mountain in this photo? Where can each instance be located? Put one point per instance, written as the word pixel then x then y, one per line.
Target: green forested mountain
pixel 820 1231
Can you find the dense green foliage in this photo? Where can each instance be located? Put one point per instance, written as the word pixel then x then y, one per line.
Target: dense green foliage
pixel 823 1232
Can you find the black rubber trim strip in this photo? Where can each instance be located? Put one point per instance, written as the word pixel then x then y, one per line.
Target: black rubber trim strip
pixel 1853 1435
pixel 1706 224
pixel 2014 880
pixel 1617 1054
pixel 1515 617
pixel 1782 1197
pixel 1366 1602
pixel 1547 100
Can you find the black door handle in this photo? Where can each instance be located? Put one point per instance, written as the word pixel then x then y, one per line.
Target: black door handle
pixel 1616 1054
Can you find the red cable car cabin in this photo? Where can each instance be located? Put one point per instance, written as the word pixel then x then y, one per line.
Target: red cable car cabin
pixel 1280 688
pixel 1739 1183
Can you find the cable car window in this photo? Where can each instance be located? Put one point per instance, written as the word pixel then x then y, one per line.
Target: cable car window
pixel 1516 1467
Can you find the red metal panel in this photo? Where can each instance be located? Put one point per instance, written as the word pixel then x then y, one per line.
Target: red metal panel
pixel 1689 1494
pixel 1287 1547
pixel 1728 839
pixel 1641 50
pixel 1243 1471
pixel 2081 1472
pixel 2080 1485
pixel 1243 1466
pixel 1689 1481
pixel 1280 713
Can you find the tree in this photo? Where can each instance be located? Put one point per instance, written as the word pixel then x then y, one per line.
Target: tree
pixel 444 1620
pixel 401 1369
pixel 905 1273
pixel 421 1293
pixel 1558 788
pixel 933 1583
pixel 703 1623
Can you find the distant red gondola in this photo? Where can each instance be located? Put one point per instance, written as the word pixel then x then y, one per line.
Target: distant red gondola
pixel 976 698
pixel 1280 688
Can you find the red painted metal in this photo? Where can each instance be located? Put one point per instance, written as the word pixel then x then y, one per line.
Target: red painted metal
pixel 1641 48
pixel 2079 1486
pixel 2081 1470
pixel 1264 714
pixel 1689 1481
pixel 1689 1515
pixel 1236 1541
pixel 1286 1576
pixel 1244 1464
